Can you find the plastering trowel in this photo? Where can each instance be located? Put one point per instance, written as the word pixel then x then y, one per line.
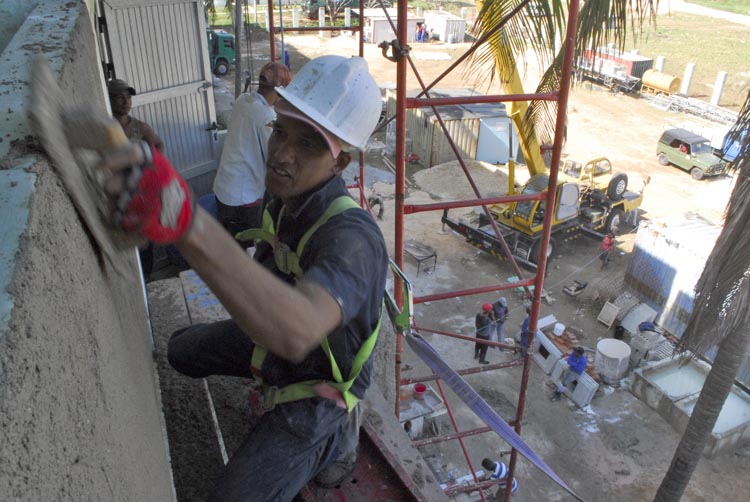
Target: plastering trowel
pixel 69 135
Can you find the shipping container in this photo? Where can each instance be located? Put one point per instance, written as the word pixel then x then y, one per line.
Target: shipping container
pixel 446 27
pixel 480 131
pixel 634 65
pixel 377 28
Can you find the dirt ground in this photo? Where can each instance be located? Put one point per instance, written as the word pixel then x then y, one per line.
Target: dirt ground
pixel 617 449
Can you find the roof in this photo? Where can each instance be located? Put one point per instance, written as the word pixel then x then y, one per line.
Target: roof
pixel 627 56
pixel 392 12
pixel 684 135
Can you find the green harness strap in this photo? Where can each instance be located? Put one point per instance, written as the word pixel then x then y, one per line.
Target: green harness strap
pixel 287 261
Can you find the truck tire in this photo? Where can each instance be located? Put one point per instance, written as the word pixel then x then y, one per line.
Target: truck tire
pixel 663 159
pixel 536 248
pixel 617 186
pixel 696 173
pixel 222 67
pixel 615 221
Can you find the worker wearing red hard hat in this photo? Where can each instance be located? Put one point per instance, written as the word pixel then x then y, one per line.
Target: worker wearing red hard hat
pixel 305 312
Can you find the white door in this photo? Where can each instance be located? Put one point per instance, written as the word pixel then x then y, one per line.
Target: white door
pixel 160 48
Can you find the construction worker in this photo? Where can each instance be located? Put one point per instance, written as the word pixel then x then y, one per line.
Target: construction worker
pixel 526 334
pixel 500 311
pixel 305 311
pixel 121 101
pixel 498 470
pixel 606 246
pixel 240 180
pixel 483 324
pixel 577 363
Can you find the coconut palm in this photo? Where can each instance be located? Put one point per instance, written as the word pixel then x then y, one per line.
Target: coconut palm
pixel 720 317
pixel 721 314
pixel 539 29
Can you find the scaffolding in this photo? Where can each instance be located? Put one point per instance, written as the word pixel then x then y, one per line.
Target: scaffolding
pixel 400 56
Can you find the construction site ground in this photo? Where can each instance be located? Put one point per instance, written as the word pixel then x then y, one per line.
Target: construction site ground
pixel 617 449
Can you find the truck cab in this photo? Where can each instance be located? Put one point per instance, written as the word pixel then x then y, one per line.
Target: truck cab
pixel 221 51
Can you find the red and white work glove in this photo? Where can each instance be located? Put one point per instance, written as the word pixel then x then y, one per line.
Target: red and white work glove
pixel 155 201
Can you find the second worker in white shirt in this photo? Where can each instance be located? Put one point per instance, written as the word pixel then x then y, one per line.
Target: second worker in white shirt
pixel 239 184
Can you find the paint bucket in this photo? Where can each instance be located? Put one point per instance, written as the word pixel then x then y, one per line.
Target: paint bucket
pixel 420 390
pixel 559 329
pixel 612 359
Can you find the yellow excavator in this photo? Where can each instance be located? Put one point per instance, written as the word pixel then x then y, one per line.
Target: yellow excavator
pixel 590 198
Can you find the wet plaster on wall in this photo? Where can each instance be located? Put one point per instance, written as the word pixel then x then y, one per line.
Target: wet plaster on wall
pixel 80 416
pixel 16 187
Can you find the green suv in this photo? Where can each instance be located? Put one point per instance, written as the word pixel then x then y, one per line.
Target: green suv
pixel 690 152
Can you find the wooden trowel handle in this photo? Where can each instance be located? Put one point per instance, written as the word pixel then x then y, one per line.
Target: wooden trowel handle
pixel 93 130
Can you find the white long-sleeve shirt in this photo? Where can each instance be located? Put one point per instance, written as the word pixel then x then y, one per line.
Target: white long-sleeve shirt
pixel 241 176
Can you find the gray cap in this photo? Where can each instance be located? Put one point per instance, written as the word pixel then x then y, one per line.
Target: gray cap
pixel 116 86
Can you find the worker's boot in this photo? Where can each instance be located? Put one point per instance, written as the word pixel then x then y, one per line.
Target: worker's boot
pixel 555 396
pixel 343 465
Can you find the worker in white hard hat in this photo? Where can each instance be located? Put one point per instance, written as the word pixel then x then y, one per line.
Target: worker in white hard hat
pixel 305 311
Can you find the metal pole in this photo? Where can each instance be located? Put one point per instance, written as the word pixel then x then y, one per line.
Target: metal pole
pixel 271 30
pixel 562 109
pixel 239 23
pixel 281 25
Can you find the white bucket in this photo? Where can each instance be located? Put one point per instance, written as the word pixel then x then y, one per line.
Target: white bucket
pixel 559 329
pixel 612 359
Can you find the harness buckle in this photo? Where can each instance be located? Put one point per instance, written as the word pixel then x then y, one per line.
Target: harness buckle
pixel 262 400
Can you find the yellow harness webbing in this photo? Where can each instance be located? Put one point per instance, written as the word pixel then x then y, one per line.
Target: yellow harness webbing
pixel 287 262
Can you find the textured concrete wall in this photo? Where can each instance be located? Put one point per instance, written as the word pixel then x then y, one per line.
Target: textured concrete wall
pixel 80 412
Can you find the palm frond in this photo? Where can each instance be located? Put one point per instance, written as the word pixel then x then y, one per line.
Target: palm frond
pixel 539 29
pixel 723 291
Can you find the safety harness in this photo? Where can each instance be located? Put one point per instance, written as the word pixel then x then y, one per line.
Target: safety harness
pixel 288 262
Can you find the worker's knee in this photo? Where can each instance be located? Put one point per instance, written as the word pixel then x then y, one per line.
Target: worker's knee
pixel 180 354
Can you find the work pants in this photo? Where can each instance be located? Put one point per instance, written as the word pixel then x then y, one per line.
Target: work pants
pixel 286 447
pixel 499 331
pixel 480 349
pixel 568 377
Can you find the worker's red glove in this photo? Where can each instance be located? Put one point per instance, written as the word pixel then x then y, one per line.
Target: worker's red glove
pixel 159 207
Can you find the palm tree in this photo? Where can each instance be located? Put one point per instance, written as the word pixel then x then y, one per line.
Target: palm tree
pixel 539 27
pixel 720 317
pixel 721 314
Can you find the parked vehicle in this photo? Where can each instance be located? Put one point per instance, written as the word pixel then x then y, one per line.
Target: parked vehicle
pixel 221 51
pixel 690 152
pixel 730 148
pixel 595 174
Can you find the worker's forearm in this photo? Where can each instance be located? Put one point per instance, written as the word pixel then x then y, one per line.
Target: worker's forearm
pixel 288 321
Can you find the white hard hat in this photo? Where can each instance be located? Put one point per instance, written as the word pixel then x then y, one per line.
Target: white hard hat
pixel 339 94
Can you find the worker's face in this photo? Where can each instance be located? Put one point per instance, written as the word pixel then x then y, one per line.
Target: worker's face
pixel 299 159
pixel 121 103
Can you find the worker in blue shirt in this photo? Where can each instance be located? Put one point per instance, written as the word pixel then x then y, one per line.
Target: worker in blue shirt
pixel 576 365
